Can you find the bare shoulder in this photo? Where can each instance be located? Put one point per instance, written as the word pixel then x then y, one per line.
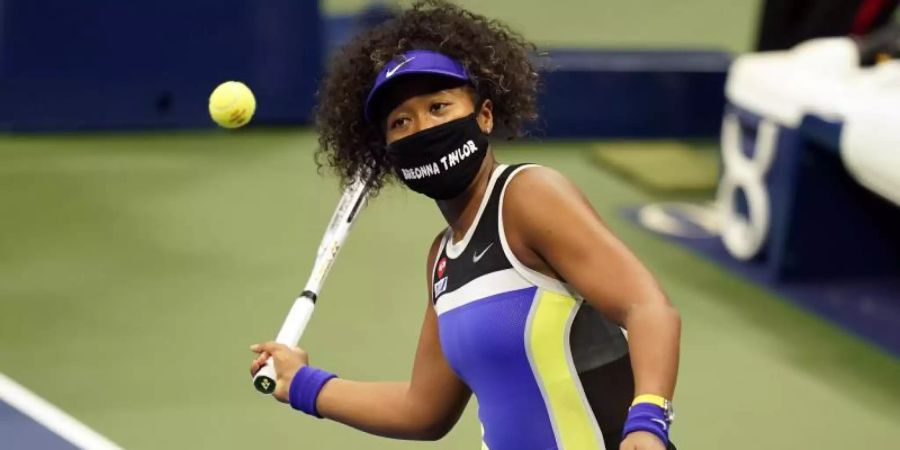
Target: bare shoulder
pixel 542 192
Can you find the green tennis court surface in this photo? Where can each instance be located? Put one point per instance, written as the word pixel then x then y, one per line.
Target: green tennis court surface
pixel 684 169
pixel 136 269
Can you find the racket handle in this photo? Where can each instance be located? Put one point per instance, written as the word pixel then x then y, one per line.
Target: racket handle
pixel 291 330
pixel 297 319
pixel 264 380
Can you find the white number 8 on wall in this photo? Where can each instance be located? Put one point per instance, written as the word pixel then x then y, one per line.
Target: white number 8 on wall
pixel 744 236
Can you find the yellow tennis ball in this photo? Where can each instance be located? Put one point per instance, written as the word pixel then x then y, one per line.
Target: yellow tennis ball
pixel 231 104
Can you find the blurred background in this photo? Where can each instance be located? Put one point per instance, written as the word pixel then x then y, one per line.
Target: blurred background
pixel 142 250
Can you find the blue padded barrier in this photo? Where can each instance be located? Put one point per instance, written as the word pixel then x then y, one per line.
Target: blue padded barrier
pixel 632 94
pixel 107 64
pixel 104 64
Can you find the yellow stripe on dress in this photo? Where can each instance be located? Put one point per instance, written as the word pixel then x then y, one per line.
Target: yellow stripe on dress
pixel 549 339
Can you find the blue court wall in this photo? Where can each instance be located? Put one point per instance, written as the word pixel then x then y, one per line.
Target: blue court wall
pixel 112 64
pixel 109 65
pixel 631 94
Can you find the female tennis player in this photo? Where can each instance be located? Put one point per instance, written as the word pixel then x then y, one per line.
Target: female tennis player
pixel 529 292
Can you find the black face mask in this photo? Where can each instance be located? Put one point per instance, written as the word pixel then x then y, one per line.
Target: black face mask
pixel 442 161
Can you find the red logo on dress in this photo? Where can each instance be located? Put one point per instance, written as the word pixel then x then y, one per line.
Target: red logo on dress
pixel 442 265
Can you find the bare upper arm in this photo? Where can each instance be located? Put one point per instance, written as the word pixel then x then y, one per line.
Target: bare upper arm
pixel 434 387
pixel 552 223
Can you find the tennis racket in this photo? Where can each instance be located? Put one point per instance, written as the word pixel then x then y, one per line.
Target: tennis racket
pixel 351 203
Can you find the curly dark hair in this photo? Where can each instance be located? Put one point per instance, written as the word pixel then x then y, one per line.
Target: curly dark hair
pixel 496 58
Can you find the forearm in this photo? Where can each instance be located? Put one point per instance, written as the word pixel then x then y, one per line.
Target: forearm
pixel 654 331
pixel 382 408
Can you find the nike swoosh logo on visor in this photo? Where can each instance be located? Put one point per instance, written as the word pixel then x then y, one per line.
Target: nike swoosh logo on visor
pixel 392 71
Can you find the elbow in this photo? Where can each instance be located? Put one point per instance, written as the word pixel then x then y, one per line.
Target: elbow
pixel 674 315
pixel 415 431
pixel 660 313
pixel 435 435
pixel 433 420
pixel 434 431
pixel 434 427
pixel 672 319
pixel 424 434
pixel 676 319
pixel 671 315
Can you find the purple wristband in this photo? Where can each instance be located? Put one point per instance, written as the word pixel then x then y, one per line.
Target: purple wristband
pixel 647 417
pixel 305 388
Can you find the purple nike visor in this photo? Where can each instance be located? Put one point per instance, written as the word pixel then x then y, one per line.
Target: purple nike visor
pixel 410 63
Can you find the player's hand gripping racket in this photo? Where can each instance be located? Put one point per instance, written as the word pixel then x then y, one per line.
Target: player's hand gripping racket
pixel 351 203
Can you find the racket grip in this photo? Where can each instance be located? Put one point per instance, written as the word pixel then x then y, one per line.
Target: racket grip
pixel 264 380
pixel 291 330
pixel 297 319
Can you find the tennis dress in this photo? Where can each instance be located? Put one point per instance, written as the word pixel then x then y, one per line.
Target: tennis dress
pixel 547 369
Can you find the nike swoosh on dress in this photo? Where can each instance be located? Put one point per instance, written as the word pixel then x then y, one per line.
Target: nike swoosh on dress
pixel 477 256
